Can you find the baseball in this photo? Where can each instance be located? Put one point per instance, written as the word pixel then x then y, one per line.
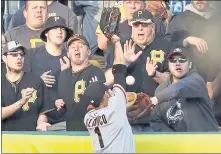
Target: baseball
pixel 130 80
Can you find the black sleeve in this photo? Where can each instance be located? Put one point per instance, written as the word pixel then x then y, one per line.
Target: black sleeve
pixel 78 9
pixel 177 30
pixel 119 72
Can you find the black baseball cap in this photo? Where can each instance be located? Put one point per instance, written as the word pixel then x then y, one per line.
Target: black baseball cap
pixel 53 22
pixel 94 93
pixel 179 52
pixel 76 37
pixel 12 46
pixel 142 16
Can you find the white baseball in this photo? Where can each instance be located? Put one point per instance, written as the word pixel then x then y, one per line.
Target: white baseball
pixel 130 80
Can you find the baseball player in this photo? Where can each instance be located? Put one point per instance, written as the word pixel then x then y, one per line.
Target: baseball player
pixel 106 119
pixel 22 101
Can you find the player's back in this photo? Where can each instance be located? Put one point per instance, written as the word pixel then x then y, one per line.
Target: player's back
pixel 109 126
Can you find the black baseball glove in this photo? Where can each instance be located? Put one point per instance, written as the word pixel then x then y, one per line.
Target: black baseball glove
pixel 109 22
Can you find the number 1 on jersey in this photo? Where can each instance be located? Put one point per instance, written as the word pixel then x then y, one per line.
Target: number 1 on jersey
pixel 97 131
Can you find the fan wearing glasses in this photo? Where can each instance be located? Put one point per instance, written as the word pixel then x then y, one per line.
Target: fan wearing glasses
pixel 182 102
pixel 22 100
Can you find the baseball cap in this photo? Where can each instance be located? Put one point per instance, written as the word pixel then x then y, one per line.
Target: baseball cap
pixel 55 21
pixel 142 16
pixel 12 46
pixel 178 52
pixel 76 37
pixel 94 93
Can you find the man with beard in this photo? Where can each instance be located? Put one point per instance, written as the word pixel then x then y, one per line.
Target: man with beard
pixel 76 75
pixel 22 100
pixel 189 29
pixel 35 13
pixel 183 104
pixel 44 62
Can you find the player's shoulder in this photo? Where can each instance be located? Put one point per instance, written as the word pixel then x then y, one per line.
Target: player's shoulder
pixel 118 88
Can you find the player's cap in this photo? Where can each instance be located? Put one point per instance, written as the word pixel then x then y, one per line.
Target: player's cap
pixel 142 16
pixel 94 93
pixel 76 37
pixel 53 22
pixel 179 52
pixel 12 46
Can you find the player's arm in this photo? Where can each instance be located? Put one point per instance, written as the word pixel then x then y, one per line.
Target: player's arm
pixel 119 68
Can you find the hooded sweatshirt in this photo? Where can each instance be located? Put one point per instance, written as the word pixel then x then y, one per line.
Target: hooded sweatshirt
pixel 183 106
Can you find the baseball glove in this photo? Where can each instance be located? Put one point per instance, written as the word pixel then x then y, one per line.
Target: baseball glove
pixel 142 105
pixel 110 19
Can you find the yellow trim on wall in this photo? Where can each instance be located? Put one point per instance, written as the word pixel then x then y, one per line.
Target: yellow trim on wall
pixel 152 143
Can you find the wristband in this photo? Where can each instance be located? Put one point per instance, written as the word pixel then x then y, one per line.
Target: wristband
pixel 119 68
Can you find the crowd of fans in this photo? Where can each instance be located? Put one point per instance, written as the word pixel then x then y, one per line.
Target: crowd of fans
pixel 50 54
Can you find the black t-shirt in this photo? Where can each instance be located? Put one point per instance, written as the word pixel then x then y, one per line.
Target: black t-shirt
pixel 3 66
pixel 24 119
pixel 38 61
pixel 70 86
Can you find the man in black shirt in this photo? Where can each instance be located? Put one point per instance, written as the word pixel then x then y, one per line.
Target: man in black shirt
pixel 44 61
pixel 73 81
pixel 23 107
pixel 151 68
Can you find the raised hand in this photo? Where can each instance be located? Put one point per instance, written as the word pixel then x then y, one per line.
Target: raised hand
pixel 129 52
pixel 200 44
pixel 65 64
pixel 151 67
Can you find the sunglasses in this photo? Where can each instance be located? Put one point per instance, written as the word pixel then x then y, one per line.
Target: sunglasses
pixel 137 24
pixel 178 59
pixel 15 54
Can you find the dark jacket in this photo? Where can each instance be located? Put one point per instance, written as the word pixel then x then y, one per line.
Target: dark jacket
pixel 188 24
pixel 183 106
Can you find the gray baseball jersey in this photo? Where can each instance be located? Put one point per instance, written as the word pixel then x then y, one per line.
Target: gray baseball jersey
pixel 109 126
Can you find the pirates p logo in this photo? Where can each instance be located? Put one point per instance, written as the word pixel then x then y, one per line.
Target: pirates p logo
pixel 25 107
pixel 139 13
pixel 56 18
pixel 157 56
